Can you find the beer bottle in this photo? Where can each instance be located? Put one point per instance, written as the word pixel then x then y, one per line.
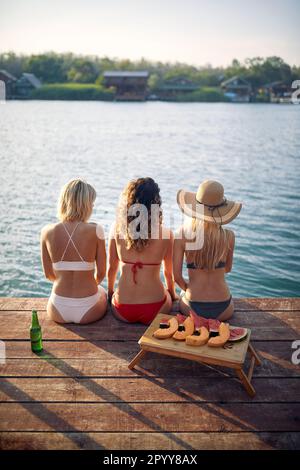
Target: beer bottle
pixel 35 333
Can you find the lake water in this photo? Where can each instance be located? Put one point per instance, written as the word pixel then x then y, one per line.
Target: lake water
pixel 254 150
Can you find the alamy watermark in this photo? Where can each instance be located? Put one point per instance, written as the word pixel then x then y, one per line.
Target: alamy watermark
pixel 2 352
pixel 2 92
pixel 296 94
pixel 296 354
pixel 140 222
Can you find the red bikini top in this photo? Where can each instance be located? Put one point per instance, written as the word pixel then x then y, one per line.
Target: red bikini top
pixel 136 265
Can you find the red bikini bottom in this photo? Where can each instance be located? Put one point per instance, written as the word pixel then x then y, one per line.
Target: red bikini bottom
pixel 139 313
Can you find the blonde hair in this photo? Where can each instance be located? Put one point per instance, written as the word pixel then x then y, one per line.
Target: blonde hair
pixel 215 245
pixel 76 201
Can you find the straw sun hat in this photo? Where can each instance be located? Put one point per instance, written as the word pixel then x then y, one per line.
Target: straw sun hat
pixel 208 203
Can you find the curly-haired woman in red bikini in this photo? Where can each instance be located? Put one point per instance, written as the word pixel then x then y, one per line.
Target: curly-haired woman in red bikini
pixel 138 245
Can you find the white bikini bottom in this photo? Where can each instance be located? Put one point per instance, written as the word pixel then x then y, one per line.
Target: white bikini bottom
pixel 72 309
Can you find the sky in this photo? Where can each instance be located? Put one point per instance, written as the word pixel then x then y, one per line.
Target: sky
pixel 192 31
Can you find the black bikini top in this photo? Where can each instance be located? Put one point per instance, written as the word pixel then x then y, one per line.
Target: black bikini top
pixel 221 264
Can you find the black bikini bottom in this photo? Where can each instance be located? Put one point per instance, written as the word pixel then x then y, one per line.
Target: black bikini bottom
pixel 208 309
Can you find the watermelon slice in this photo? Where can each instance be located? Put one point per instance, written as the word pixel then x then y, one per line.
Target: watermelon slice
pixel 195 318
pixel 204 322
pixel 213 325
pixel 180 318
pixel 237 334
pixel 199 321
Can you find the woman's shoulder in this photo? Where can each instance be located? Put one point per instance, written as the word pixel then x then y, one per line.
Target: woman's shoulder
pixel 48 229
pixel 231 236
pixel 230 233
pixel 166 233
pixel 97 228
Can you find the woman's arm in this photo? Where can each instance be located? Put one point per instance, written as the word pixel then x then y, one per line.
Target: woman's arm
pixel 113 266
pixel 229 259
pixel 168 267
pixel 178 262
pixel 45 257
pixel 100 255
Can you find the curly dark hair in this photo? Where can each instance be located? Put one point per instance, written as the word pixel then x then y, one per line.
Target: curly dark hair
pixel 140 191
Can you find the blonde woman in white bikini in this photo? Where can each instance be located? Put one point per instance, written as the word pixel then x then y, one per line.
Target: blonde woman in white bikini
pixel 206 292
pixel 74 258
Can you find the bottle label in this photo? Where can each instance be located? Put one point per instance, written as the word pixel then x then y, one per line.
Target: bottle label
pixel 35 336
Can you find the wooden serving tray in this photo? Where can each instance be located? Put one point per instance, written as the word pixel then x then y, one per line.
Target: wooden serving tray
pixel 231 355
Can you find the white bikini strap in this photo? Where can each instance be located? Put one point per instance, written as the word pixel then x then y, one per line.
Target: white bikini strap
pixel 71 240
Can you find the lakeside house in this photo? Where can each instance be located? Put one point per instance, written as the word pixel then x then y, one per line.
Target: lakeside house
pixel 237 89
pixel 19 88
pixel 278 92
pixel 129 85
pixel 10 82
pixel 26 84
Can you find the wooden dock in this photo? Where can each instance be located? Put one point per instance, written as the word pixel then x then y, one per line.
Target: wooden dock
pixel 80 394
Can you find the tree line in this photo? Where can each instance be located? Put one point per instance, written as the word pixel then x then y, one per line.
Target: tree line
pixel 56 68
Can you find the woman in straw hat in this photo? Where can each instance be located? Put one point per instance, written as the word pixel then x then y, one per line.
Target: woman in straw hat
pixel 208 250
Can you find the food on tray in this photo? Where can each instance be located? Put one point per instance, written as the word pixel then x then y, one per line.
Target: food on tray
pixel 200 335
pixel 213 325
pixel 167 328
pixel 185 327
pixel 236 334
pixel 222 338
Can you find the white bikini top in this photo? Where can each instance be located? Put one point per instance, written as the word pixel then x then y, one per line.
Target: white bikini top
pixel 73 265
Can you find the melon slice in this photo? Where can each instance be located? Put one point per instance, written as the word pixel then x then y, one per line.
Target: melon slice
pixel 185 328
pixel 222 338
pixel 163 333
pixel 200 339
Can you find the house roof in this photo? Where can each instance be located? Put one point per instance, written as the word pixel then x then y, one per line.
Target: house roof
pixel 31 78
pixel 8 75
pixel 126 73
pixel 237 82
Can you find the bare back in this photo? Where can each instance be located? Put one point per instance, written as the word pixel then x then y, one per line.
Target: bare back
pixel 146 286
pixel 67 283
pixel 211 285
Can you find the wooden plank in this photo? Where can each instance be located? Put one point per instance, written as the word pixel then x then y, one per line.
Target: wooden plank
pixel 151 389
pixel 264 326
pixel 23 303
pixel 275 303
pixel 112 359
pixel 150 441
pixel 148 417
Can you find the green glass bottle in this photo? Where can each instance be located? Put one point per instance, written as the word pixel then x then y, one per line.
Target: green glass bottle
pixel 35 333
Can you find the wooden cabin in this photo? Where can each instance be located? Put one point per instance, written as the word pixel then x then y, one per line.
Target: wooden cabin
pixel 9 84
pixel 129 85
pixel 237 89
pixel 26 84
pixel 278 92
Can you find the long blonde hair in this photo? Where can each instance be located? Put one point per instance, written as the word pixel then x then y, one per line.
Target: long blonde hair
pixel 215 245
pixel 76 201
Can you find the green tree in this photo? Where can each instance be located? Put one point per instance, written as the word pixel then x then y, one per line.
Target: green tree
pixel 47 67
pixel 83 71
